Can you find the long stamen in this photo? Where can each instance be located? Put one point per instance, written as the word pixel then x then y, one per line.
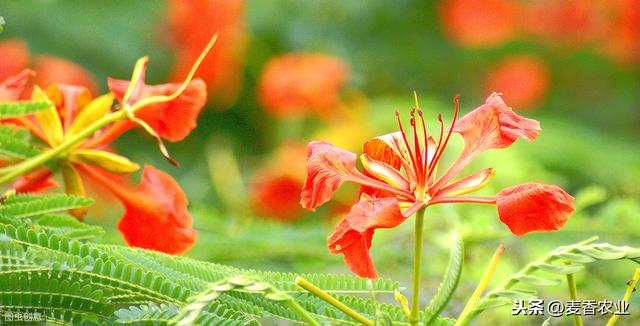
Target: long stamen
pixel 416 144
pixel 435 154
pixel 456 100
pixel 426 147
pixel 404 137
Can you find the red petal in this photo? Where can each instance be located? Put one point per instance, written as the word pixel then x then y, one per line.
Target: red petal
pixel 491 125
pixel 13 87
pixel 467 184
pixel 352 237
pixel 156 215
pixel 35 181
pixel 172 120
pixel 50 69
pixel 327 168
pixel 534 207
pixel 15 57
pixel 275 196
pixel 192 23
pixel 494 125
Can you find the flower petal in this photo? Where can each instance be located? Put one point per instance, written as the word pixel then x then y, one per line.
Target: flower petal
pixel 491 125
pixel 494 125
pixel 172 120
pixel 12 88
pixel 35 181
pixel 15 57
pixel 327 168
pixel 156 215
pixel 353 236
pixel 94 110
pixel 534 207
pixel 51 69
pixel 73 186
pixel 48 119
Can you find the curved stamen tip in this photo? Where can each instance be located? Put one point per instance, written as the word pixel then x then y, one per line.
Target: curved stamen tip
pixel 420 113
pixel 440 117
pixel 456 98
pixel 397 114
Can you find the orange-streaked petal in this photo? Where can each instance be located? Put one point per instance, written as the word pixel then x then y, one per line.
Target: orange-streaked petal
pixel 69 100
pixel 327 168
pixel 383 171
pixel 35 181
pixel 352 237
pixel 534 207
pixel 48 119
pixel 111 162
pixel 468 184
pixel 156 215
pixel 172 120
pixel 276 196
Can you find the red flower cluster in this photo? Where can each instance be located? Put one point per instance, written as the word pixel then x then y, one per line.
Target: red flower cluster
pixel 156 215
pixel 401 174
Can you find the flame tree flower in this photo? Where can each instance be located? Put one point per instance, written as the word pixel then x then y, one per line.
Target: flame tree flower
pixel 77 129
pixel 523 80
pixel 400 179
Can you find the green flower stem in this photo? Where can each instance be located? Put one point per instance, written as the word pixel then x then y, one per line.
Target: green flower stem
pixel 463 319
pixel 414 318
pixel 306 317
pixel 631 287
pixel 303 283
pixel 34 162
pixel 573 293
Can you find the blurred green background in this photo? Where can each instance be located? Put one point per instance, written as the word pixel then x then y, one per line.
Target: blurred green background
pixel 589 110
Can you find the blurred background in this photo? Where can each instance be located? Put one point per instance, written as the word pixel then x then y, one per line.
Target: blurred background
pixel 286 72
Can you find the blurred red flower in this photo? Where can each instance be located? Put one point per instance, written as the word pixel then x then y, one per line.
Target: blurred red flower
pixel 622 40
pixel 48 69
pixel 479 23
pixel 522 80
pixel 191 25
pixel 566 22
pixel 399 175
pixel 275 189
pixel 296 84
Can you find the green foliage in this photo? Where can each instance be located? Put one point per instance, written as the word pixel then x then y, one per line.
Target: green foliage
pixel 47 266
pixel 16 109
pixel 14 144
pixel 450 281
pixel 546 271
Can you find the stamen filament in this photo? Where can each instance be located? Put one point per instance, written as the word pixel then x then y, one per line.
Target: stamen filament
pixel 406 142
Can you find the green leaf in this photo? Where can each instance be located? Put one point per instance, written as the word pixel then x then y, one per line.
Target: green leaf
pixel 450 281
pixel 28 205
pixel 15 109
pixel 14 145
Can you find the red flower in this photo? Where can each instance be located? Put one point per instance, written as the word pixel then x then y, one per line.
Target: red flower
pixel 156 215
pixel 15 57
pixel 566 22
pixel 524 80
pixel 295 84
pixel 275 189
pixel 479 23
pixel 12 88
pixel 191 25
pixel 48 69
pixel 622 40
pixel 400 174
